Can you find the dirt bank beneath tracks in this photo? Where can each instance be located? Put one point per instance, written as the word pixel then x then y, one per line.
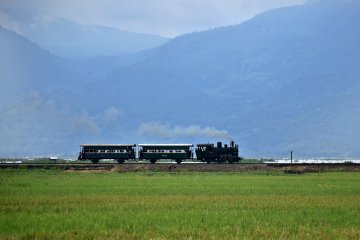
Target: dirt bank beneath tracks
pixel 291 169
pixel 190 167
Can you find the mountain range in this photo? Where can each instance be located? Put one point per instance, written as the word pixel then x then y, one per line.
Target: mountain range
pixel 288 79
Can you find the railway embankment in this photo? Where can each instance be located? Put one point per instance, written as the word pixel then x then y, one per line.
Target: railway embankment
pixel 190 167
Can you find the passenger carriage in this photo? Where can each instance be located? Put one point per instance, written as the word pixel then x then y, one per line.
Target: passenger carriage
pixel 97 152
pixel 154 152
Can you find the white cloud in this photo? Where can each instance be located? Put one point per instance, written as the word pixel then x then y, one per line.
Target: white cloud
pixel 163 131
pixel 85 124
pixel 111 114
pixel 164 17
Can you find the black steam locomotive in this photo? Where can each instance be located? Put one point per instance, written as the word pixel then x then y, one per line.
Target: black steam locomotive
pixel 153 152
pixel 209 153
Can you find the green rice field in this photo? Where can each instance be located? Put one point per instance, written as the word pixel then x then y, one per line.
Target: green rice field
pixel 54 204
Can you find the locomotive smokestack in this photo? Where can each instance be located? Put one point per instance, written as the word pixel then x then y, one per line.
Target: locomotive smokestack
pixel 219 144
pixel 232 143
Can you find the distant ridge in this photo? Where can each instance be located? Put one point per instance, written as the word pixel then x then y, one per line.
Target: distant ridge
pixel 75 41
pixel 72 40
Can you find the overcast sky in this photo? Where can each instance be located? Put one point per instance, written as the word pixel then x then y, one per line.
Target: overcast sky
pixel 164 17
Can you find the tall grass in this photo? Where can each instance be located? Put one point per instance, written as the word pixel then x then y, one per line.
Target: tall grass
pixel 55 204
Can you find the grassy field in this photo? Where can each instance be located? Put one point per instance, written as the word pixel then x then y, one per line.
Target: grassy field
pixel 54 204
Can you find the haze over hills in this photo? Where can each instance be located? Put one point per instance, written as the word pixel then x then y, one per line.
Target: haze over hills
pixel 24 65
pixel 286 80
pixel 91 41
pixel 72 40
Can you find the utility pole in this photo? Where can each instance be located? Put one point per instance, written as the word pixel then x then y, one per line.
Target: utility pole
pixel 291 156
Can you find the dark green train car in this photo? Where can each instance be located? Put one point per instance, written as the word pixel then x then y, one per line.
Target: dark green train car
pixel 154 152
pixel 97 152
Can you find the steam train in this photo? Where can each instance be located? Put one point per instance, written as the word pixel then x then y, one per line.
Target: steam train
pixel 209 153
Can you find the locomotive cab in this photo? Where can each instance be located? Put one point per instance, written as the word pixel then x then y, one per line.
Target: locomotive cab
pixel 206 152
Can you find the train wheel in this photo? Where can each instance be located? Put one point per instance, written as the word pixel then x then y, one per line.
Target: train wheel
pixel 95 160
pixel 208 161
pixel 120 161
pixel 178 161
pixel 152 161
